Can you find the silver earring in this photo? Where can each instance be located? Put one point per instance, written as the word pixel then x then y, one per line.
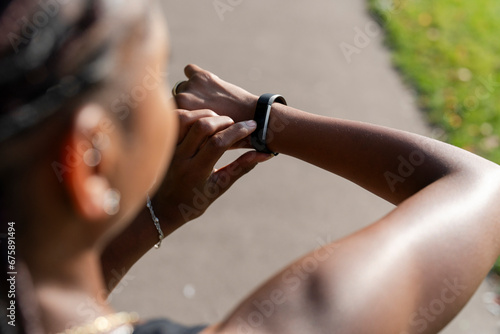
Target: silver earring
pixel 111 204
pixel 92 157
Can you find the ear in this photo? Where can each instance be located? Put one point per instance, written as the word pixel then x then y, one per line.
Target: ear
pixel 89 148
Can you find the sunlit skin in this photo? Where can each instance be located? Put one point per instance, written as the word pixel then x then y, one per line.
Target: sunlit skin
pixel 438 244
pixel 70 245
pixel 65 263
pixel 434 249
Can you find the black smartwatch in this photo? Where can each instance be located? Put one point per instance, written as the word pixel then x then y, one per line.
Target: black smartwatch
pixel 259 136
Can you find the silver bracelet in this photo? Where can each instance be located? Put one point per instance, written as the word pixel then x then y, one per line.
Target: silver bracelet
pixel 156 221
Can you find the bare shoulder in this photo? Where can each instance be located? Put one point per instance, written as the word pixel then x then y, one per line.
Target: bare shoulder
pixel 367 282
pixel 296 300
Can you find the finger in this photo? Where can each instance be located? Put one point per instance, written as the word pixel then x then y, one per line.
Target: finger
pixel 195 73
pixel 179 87
pixel 225 177
pixel 188 117
pixel 220 142
pixel 200 132
pixel 244 143
pixel 191 70
pixel 189 101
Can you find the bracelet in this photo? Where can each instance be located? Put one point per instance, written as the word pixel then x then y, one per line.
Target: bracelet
pixel 261 117
pixel 156 221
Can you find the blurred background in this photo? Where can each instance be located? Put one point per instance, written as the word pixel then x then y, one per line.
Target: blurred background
pixel 418 66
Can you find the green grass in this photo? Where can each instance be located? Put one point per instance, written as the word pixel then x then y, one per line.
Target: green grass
pixel 449 51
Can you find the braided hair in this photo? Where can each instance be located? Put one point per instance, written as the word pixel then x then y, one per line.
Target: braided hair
pixel 51 54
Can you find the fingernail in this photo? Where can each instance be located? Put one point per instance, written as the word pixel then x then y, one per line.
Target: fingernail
pixel 251 124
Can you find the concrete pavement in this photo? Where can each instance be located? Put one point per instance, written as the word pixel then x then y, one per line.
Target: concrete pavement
pixel 325 57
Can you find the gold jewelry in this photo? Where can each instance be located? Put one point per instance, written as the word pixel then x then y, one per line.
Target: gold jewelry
pixel 107 324
pixel 176 86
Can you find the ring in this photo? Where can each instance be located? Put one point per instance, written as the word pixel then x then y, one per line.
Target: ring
pixel 177 84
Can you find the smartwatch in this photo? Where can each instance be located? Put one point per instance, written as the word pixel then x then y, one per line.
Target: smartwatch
pixel 261 117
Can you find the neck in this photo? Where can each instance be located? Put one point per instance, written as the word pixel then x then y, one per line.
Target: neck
pixel 67 280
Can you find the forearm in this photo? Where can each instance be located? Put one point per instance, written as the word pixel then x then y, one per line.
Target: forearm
pixel 433 249
pixel 429 253
pixel 203 139
pixel 446 233
pixel 390 163
pixel 131 244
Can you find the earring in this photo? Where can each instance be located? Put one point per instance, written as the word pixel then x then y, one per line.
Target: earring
pixel 111 204
pixel 92 157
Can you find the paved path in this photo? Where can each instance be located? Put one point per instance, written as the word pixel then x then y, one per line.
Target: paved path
pixel 285 207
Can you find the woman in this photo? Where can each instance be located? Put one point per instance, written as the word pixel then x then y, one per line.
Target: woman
pixel 88 136
pixel 426 257
pixel 87 128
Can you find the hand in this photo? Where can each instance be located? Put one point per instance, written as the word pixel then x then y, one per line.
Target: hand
pixel 192 183
pixel 206 90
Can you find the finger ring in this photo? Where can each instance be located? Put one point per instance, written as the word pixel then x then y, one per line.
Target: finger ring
pixel 177 84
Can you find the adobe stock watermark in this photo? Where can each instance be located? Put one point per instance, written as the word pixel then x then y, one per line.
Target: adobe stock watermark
pixel 126 102
pixel 405 169
pixel 223 6
pixel 409 163
pixel 88 150
pixel 362 39
pixel 419 320
pixel 481 92
pixel 363 36
pixel 203 197
pixel 291 280
pixel 89 309
pixel 29 28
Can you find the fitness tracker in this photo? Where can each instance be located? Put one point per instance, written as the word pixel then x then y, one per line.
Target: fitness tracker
pixel 259 136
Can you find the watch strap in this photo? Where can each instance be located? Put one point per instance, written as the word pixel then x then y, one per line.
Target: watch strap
pixel 261 117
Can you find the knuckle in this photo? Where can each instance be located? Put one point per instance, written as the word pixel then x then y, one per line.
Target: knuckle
pixel 241 129
pixel 202 76
pixel 208 113
pixel 203 126
pixel 187 117
pixel 183 115
pixel 216 142
pixel 228 119
pixel 212 113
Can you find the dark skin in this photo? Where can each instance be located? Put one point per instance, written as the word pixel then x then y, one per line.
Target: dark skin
pixel 428 254
pixel 426 257
pixel 191 168
pixel 67 230
pixel 443 233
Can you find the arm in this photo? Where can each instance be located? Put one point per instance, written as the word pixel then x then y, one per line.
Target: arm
pixel 203 138
pixel 392 164
pixel 411 271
